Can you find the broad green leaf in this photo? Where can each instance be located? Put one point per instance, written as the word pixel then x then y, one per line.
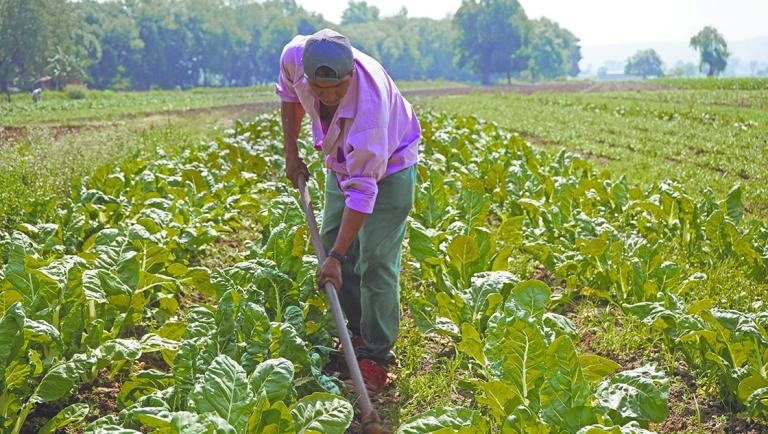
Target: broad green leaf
pixel 511 231
pixel 141 384
pixel 500 262
pixel 225 337
pixel 11 334
pixel 117 350
pixel 17 374
pixel 499 396
pixel 462 250
pixel 595 367
pixel 732 205
pixel 224 391
pixel 445 420
pixel 272 378
pixel 151 342
pixel 420 242
pixel 16 272
pixel 73 413
pixel 188 367
pixel 564 386
pixel 450 306
pixel 294 316
pixel 102 287
pixel 471 343
pixel 275 419
pixel 533 296
pixel 561 325
pixel 60 379
pixel 758 403
pixel 253 323
pixel 741 325
pixel 630 428
pixel 486 291
pixel 524 421
pixel 322 413
pixel 636 395
pixel 699 306
pixel 652 314
pixel 191 423
pixel 158 418
pixel 592 247
pixel 473 204
pixel 288 344
pixel 117 256
pixel 515 352
pixel 749 385
pixel 446 327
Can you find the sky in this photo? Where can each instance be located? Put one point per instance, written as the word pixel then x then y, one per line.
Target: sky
pixel 604 22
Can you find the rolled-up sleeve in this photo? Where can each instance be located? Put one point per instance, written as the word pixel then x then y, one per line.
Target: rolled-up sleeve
pixel 288 74
pixel 366 164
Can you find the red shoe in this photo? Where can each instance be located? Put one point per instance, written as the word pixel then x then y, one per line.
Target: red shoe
pixel 374 376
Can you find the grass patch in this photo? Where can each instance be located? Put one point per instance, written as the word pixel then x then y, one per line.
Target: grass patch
pixel 58 107
pixel 733 83
pixel 44 161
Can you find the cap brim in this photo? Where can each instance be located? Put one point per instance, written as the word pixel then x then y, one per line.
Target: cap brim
pixel 327 79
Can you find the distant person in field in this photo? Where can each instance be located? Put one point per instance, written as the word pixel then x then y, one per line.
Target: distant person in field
pixel 36 95
pixel 369 135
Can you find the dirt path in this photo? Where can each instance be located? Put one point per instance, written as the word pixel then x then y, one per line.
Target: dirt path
pixel 9 134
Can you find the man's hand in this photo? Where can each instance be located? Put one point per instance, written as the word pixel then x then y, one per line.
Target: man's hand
pixel 330 271
pixel 295 166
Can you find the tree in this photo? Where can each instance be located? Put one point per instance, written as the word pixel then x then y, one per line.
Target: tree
pixel 491 34
pixel 65 67
pixel 713 49
pixel 359 12
pixel 573 52
pixel 644 63
pixel 683 69
pixel 29 31
pixel 119 44
pixel 410 48
pixel 551 50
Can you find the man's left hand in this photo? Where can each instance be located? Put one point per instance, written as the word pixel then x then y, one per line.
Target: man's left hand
pixel 330 271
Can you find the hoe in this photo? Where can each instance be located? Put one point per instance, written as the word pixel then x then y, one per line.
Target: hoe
pixel 371 424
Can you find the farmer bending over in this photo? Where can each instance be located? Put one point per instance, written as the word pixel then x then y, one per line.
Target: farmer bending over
pixel 369 135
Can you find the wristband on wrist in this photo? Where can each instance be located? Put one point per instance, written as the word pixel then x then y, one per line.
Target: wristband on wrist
pixel 339 257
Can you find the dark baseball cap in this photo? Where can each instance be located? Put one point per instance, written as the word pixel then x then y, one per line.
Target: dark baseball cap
pixel 327 48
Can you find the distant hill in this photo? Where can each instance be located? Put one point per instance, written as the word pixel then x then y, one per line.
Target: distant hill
pixel 614 56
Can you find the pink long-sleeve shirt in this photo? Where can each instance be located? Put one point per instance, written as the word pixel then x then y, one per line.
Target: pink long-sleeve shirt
pixel 373 134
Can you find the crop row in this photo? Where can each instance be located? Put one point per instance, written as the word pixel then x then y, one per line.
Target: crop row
pixel 101 280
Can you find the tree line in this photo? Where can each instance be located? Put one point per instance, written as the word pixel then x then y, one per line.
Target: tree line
pixel 147 44
pixel 712 48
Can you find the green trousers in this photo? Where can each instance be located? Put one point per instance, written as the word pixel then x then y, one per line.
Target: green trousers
pixel 370 292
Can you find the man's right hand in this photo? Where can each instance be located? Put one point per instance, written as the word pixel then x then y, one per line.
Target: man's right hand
pixel 295 166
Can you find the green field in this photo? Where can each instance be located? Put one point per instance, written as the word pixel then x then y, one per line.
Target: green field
pixel 701 138
pixel 576 262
